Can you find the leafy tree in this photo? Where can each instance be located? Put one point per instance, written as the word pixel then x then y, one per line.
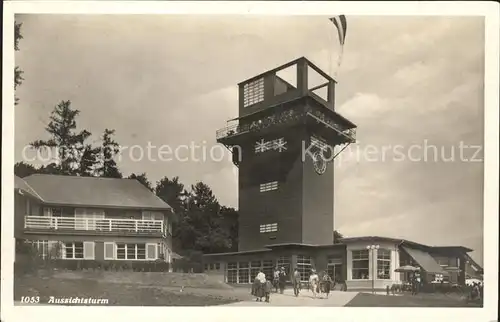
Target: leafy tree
pixel 22 169
pixel 142 178
pixel 337 236
pixel 51 168
pixel 18 78
pixel 109 149
pixel 68 144
pixel 230 219
pixel 172 192
pixel 207 221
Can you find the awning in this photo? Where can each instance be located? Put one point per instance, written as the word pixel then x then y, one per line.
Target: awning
pixel 425 260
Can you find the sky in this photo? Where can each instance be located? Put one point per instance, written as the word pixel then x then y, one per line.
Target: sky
pixel 413 86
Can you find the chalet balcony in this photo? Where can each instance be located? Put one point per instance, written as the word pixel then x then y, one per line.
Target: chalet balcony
pixel 93 226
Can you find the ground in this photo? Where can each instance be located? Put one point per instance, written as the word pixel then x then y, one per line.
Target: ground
pixel 422 300
pixel 122 294
pixel 137 294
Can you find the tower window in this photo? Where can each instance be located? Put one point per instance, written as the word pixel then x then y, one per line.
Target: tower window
pixel 269 186
pixel 253 92
pixel 268 228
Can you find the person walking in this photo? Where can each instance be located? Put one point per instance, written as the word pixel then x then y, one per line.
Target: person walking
pixel 314 282
pixel 258 287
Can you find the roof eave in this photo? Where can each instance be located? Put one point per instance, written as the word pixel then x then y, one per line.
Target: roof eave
pixel 62 204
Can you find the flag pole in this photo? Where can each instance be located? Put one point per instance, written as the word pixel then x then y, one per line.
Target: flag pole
pixel 339 60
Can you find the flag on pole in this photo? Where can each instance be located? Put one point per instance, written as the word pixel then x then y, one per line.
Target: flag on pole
pixel 341 23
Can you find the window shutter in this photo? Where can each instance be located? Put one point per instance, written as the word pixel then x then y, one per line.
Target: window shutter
pixel 63 250
pixel 109 251
pixel 151 251
pixel 88 250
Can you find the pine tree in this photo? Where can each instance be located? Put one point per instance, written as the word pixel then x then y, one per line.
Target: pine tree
pixel 68 144
pixel 109 149
pixel 88 162
pixel 22 169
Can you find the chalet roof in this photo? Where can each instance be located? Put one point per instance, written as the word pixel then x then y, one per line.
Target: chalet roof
pixel 24 188
pixel 94 192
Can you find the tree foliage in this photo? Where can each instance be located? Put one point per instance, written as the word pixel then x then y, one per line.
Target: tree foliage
pixel 202 224
pixel 65 142
pixel 337 236
pixel 142 178
pixel 109 149
pixel 172 192
pixel 18 73
pixel 23 169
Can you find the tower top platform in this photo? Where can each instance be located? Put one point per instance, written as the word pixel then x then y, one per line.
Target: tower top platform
pixel 288 82
pixel 295 92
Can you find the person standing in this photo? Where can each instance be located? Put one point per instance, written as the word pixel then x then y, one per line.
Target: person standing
pixel 282 280
pixel 276 278
pixel 296 282
pixel 268 288
pixel 327 283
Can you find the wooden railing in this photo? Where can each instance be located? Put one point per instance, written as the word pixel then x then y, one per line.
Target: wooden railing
pixel 91 224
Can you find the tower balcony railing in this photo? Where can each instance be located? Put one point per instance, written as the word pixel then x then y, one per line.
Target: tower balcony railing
pixel 287 117
pixel 104 225
pixel 349 134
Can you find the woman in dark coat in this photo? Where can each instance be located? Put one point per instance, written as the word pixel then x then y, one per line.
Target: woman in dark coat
pixel 282 280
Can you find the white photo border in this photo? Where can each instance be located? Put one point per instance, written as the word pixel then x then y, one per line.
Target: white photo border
pixel 489 10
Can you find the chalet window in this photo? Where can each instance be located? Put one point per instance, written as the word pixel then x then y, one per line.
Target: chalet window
pixel 152 215
pixel 269 186
pixel 52 212
pixel 73 250
pixel 253 92
pixel 269 228
pixel 134 251
pixel 41 247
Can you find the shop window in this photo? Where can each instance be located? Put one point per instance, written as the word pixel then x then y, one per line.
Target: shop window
pixel 334 268
pixel 304 267
pixel 360 264
pixel 232 272
pixel 243 273
pixel 384 264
